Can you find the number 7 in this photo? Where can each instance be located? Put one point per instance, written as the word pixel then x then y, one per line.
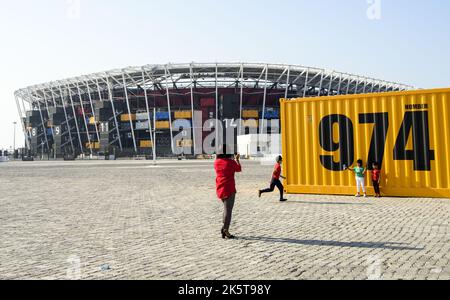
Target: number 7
pixel 379 136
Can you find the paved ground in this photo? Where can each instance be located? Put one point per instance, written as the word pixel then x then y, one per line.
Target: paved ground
pixel 131 220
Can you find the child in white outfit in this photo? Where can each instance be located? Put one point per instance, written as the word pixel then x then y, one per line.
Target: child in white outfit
pixel 360 173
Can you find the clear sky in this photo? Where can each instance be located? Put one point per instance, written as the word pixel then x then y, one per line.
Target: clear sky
pixel 405 40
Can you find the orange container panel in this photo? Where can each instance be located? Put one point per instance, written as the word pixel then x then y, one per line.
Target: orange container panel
pixel 126 117
pixel 145 144
pixel 250 114
pixel 407 133
pixel 163 125
pixel 183 114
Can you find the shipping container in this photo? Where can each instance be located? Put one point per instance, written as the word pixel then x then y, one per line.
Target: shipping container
pixel 126 117
pixel 162 116
pixel 142 116
pixel 163 125
pixel 142 125
pixel 250 123
pixel 407 133
pixel 208 102
pixel 145 144
pixel 184 143
pixel 93 145
pixel 185 114
pixel 182 124
pixel 250 114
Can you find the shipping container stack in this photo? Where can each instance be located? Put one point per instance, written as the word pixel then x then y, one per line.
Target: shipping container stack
pixel 142 132
pixel 57 123
pixel 208 108
pixel 163 139
pixel 183 127
pixel 37 131
pixel 105 120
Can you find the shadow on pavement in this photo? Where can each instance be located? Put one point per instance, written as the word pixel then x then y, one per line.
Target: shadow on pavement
pixel 326 203
pixel 388 245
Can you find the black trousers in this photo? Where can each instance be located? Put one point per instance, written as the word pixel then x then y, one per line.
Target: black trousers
pixel 275 183
pixel 228 205
pixel 376 186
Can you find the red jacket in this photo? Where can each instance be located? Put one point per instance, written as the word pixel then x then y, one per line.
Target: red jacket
pixel 277 172
pixel 225 170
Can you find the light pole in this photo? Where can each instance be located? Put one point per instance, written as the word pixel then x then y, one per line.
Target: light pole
pixel 14 143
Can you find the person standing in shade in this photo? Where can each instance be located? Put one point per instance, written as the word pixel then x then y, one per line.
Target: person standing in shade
pixel 226 167
pixel 376 179
pixel 276 175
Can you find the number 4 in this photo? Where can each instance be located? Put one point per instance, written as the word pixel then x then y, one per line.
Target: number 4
pixel 422 155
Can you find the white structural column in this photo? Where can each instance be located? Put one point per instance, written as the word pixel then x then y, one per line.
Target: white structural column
pixel 305 88
pixel 48 113
pixel 340 83
pixel 357 85
pixel 99 91
pixel 114 112
pixel 263 119
pixel 166 71
pixel 42 122
pixel 75 118
pixel 348 85
pixel 84 118
pixel 129 111
pixel 93 110
pixel 321 82
pixel 241 100
pixel 217 109
pixel 288 78
pixel 69 128
pixel 331 84
pixel 191 71
pixel 25 132
pixel 150 129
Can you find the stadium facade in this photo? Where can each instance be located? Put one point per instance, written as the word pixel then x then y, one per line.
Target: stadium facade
pixel 158 109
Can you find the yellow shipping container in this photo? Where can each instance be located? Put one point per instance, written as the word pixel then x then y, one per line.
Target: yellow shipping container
pixel 92 121
pixel 93 145
pixel 146 144
pixel 184 143
pixel 250 123
pixel 183 114
pixel 408 133
pixel 126 117
pixel 162 125
pixel 250 114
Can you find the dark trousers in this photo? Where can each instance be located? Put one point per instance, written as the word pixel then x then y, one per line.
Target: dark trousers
pixel 275 183
pixel 228 205
pixel 376 186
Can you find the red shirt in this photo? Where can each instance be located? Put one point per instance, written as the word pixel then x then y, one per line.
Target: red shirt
pixel 376 175
pixel 277 172
pixel 225 183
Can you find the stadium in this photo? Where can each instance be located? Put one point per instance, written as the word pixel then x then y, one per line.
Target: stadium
pixel 155 110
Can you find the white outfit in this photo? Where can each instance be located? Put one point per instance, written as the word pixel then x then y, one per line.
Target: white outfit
pixel 361 183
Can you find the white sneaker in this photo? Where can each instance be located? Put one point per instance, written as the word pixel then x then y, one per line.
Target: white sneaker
pixel 357 195
pixel 365 196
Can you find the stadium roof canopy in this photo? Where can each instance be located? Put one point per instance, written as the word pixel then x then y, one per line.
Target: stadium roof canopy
pixel 293 79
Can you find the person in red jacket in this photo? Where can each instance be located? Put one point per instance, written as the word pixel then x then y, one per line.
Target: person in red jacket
pixel 226 167
pixel 276 175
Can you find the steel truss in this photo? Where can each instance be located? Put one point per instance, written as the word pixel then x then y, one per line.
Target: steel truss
pixel 295 81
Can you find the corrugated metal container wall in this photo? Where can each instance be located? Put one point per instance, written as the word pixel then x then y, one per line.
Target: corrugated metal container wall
pixel 408 133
